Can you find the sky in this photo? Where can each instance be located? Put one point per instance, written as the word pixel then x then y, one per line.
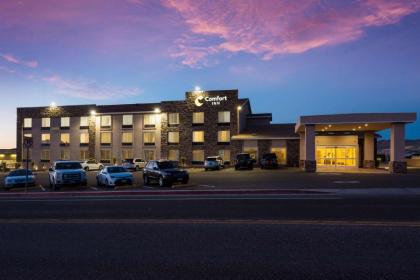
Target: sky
pixel 290 58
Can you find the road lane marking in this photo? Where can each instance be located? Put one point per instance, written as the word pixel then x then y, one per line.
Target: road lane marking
pixel 216 221
pixel 42 188
pixel 94 188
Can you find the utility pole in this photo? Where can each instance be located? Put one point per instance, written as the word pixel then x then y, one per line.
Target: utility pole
pixel 27 143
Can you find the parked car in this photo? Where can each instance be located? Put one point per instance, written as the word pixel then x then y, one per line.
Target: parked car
pixel 165 172
pixel 66 172
pixel 129 164
pixel 92 165
pixel 269 161
pixel 244 161
pixel 17 178
pixel 139 163
pixel 112 176
pixel 213 163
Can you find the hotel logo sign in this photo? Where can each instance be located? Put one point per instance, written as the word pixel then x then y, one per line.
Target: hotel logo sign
pixel 213 100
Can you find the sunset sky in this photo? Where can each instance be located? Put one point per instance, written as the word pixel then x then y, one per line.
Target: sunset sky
pixel 291 58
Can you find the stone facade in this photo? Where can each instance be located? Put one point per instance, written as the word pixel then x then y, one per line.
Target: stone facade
pixel 292 156
pixel 398 167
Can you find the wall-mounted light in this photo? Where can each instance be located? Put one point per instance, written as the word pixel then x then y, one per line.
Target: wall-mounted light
pixel 93 113
pixel 366 125
pixel 239 108
pixel 157 110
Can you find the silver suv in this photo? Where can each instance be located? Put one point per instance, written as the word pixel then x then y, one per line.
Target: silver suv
pixel 65 172
pixel 213 163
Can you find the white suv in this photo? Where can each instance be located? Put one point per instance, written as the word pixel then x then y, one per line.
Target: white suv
pixel 139 163
pixel 92 165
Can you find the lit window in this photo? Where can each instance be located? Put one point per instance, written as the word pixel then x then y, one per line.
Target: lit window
pixel 197 156
pixel 280 154
pixel 84 138
pixel 65 122
pixel 198 136
pixel 46 122
pixel 149 138
pixel 127 154
pixel 45 138
pixel 65 155
pixel 65 138
pixel 149 155
pixel 224 117
pixel 173 137
pixel 84 154
pixel 84 121
pixel 149 120
pixel 106 121
pixel 225 155
pixel 173 155
pixel 27 135
pixel 127 120
pixel 106 138
pixel 27 122
pixel 173 118
pixel 223 136
pixel 127 137
pixel 198 117
pixel 105 155
pixel 45 155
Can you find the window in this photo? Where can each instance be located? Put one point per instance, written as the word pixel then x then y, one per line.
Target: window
pixel 198 136
pixel 84 121
pixel 224 117
pixel 280 154
pixel 223 136
pixel 149 155
pixel 45 138
pixel 84 154
pixel 173 155
pixel 105 138
pixel 173 137
pixel 127 154
pixel 84 138
pixel 65 138
pixel 198 156
pixel 149 120
pixel 105 156
pixel 127 120
pixel 173 118
pixel 27 135
pixel 225 155
pixel 198 117
pixel 45 155
pixel 46 122
pixel 27 122
pixel 105 121
pixel 127 138
pixel 27 155
pixel 65 155
pixel 149 138
pixel 65 122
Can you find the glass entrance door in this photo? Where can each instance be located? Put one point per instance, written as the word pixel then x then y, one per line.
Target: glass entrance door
pixel 336 156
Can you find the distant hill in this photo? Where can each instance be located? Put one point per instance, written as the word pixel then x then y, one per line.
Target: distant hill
pixel 411 146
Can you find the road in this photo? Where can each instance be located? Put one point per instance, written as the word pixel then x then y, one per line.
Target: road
pixel 320 236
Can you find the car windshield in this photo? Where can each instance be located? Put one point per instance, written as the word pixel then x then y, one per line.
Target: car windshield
pixel 269 156
pixel 68 165
pixel 243 156
pixel 20 172
pixel 211 159
pixel 167 164
pixel 116 169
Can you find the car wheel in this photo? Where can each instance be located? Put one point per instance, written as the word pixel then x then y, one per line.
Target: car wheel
pixel 101 167
pixel 98 182
pixel 137 168
pixel 87 168
pixel 145 180
pixel 107 183
pixel 162 182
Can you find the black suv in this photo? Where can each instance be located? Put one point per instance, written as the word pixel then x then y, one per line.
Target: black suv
pixel 269 161
pixel 244 161
pixel 165 172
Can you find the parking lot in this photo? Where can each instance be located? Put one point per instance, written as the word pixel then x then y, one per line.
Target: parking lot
pixel 290 178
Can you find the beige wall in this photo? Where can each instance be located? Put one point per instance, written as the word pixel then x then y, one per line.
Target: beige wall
pixel 350 140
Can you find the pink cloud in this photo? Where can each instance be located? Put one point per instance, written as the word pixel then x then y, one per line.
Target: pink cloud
pixel 88 89
pixel 269 28
pixel 12 59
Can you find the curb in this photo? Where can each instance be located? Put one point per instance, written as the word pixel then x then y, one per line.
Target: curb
pixel 163 193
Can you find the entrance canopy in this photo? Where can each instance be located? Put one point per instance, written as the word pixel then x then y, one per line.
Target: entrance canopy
pixel 354 122
pixel 362 123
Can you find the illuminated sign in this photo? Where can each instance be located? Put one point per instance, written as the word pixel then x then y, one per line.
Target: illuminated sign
pixel 212 100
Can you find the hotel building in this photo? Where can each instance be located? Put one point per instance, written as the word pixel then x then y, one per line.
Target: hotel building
pixel 205 123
